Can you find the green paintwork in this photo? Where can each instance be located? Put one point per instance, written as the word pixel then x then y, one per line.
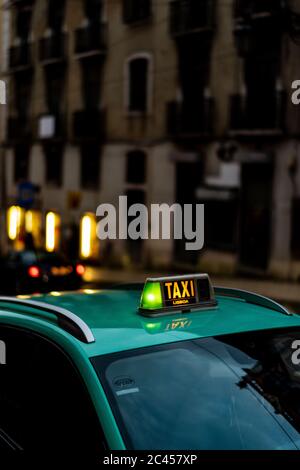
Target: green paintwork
pixel 114 320
pixel 117 326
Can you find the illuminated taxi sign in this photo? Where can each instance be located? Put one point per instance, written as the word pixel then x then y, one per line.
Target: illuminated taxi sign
pixel 181 293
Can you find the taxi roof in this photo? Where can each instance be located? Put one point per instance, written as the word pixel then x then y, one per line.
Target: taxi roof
pixel 112 316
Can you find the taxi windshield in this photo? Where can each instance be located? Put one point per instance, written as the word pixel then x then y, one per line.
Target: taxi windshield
pixel 238 391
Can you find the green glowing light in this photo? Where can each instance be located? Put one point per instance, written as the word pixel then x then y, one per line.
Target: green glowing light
pixel 151 297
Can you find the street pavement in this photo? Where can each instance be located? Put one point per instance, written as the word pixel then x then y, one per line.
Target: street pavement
pixel 287 293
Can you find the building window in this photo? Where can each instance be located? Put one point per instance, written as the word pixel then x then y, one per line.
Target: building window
pixel 136 167
pixel 54 84
pixel 91 83
pixel 22 153
pixel 138 84
pixel 54 163
pixel 22 91
pixel 295 231
pixel 260 80
pixel 23 23
pixel 56 13
pixel 186 16
pixel 136 10
pixel 93 9
pixel 90 166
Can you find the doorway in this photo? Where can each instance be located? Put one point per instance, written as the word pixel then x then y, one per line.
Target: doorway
pixel 255 216
pixel 188 179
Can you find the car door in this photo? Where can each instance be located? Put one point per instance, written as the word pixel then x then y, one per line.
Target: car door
pixel 44 404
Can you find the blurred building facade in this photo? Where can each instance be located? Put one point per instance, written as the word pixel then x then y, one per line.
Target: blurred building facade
pixel 163 101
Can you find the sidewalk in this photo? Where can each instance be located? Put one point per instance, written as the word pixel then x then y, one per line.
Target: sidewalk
pixel 285 292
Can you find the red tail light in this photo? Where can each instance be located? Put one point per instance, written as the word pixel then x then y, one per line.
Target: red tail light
pixel 34 272
pixel 80 269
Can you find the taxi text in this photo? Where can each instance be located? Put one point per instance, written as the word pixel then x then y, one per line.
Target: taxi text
pixel 180 290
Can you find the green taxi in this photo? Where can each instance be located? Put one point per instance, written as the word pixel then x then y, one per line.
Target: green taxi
pixel 173 364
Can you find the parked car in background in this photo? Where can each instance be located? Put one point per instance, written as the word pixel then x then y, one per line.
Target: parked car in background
pixel 39 271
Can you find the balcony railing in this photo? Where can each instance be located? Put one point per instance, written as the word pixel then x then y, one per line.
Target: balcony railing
pixel 52 48
pixel 251 39
pixel 189 16
pixel 18 129
pixel 21 4
pixel 91 39
pixel 252 20
pixel 248 8
pixel 136 10
pixel 188 121
pixel 89 125
pixel 266 114
pixel 20 56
